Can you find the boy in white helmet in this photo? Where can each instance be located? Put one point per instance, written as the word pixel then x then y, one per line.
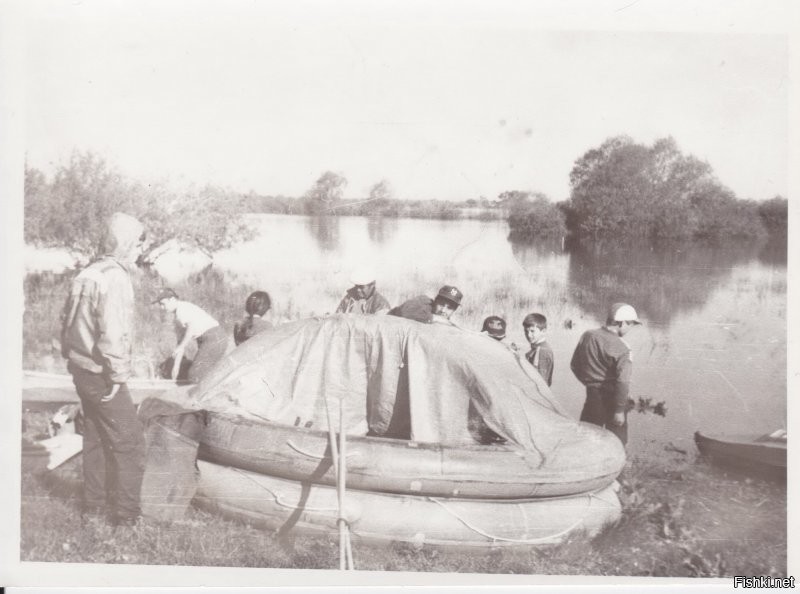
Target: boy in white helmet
pixel 602 362
pixel 363 297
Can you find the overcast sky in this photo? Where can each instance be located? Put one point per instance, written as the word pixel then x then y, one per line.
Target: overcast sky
pixel 456 102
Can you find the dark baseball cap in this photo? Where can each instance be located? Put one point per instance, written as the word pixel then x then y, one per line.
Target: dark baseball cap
pixel 451 294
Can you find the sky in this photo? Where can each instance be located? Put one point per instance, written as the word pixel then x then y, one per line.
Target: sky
pixel 454 102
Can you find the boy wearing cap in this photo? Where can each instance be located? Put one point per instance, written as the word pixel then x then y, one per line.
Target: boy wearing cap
pixel 193 323
pixel 602 362
pixel 431 311
pixel 540 355
pixel 362 297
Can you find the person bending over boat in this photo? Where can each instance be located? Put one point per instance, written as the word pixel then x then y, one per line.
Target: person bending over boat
pixel 540 355
pixel 431 311
pixel 602 362
pixel 96 339
pixel 193 323
pixel 256 307
pixel 362 297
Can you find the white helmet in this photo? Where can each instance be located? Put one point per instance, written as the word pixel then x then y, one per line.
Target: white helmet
pixel 622 312
pixel 363 275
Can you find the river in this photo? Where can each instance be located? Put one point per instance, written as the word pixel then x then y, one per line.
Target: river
pixel 712 346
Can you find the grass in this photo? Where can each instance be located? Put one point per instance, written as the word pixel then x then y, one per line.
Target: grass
pixel 315 293
pixel 681 518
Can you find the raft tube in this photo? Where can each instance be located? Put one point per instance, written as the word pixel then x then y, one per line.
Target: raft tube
pixel 301 508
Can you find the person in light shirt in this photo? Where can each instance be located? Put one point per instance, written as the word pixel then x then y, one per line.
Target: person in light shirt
pixel 193 323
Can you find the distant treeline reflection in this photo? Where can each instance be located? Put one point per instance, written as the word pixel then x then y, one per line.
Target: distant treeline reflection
pixel 662 278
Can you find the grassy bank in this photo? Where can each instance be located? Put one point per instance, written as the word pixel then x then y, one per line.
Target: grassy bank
pixel 681 518
pixel 297 294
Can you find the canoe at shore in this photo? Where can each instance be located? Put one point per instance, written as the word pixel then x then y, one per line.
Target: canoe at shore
pixel 302 508
pixel 587 459
pixel 766 453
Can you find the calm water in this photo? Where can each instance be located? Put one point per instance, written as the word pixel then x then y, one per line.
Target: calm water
pixel 713 346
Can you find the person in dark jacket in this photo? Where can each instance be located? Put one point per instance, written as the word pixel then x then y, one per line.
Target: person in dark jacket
pixel 256 308
pixel 431 311
pixel 96 338
pixel 363 297
pixel 602 362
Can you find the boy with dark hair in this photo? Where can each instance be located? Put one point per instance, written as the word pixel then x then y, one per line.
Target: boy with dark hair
pixel 540 355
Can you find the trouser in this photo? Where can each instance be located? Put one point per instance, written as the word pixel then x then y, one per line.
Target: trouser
pixel 113 446
pixel 211 347
pixel 599 409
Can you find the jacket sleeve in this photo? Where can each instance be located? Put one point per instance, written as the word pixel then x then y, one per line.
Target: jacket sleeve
pixel 343 305
pixel 113 319
pixel 575 362
pixel 624 368
pixel 546 365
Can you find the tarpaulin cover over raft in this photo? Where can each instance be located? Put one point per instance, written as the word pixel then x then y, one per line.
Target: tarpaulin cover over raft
pixel 393 377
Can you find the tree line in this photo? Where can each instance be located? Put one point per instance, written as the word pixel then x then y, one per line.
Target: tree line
pixel 627 189
pixel 619 189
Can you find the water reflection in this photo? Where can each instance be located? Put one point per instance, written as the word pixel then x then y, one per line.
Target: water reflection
pixel 774 251
pixel 659 280
pixel 381 229
pixel 325 230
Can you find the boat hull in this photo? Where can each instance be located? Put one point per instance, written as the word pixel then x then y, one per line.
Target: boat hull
pixel 589 460
pixel 745 452
pixel 304 508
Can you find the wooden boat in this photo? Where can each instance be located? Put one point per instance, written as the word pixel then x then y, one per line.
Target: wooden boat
pixel 587 459
pixel 38 386
pixel 766 453
pixel 277 504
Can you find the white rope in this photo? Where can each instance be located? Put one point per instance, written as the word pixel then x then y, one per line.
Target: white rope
pixel 278 499
pixel 492 537
pixel 316 456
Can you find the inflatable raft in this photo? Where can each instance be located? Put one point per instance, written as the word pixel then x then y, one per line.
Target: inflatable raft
pixel 452 438
pixel 586 459
pixel 277 504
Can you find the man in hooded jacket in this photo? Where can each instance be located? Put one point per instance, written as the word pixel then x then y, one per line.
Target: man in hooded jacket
pixel 96 340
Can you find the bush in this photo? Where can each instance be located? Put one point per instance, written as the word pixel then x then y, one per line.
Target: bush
pixel 774 214
pixel 537 219
pixel 71 210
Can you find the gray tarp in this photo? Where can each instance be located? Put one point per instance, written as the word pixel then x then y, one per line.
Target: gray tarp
pixel 386 372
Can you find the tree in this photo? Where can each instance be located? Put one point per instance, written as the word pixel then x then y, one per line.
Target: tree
pixel 326 192
pixel 381 192
pixel 627 189
pixel 72 210
pixel 775 214
pixel 512 200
